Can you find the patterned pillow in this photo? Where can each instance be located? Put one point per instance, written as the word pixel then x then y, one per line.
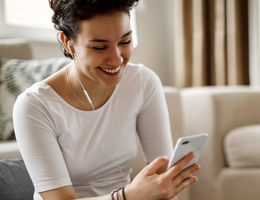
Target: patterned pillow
pixel 15 76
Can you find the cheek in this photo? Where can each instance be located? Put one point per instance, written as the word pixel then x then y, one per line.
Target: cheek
pixel 127 53
pixel 88 58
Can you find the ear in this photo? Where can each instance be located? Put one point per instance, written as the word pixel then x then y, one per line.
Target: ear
pixel 64 39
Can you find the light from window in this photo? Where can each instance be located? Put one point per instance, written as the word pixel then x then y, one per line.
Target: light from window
pixel 32 19
pixel 28 13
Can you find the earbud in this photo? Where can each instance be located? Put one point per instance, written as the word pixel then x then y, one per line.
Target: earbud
pixel 68 46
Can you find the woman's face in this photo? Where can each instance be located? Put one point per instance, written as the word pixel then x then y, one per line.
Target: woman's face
pixel 103 48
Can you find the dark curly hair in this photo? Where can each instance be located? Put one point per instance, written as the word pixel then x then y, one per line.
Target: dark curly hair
pixel 68 13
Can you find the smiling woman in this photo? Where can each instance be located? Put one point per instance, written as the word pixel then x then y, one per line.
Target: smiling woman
pixel 103 45
pixel 77 130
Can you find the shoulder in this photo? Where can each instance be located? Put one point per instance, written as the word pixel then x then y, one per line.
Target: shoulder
pixel 32 97
pixel 31 107
pixel 140 72
pixel 141 81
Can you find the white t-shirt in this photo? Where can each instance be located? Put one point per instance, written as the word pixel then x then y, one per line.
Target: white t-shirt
pixel 92 150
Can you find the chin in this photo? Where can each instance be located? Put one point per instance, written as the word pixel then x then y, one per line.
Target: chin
pixel 112 83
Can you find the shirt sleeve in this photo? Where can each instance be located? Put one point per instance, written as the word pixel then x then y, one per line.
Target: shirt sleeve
pixel 35 135
pixel 153 124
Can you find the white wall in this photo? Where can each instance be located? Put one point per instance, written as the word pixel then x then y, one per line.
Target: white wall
pixel 155 35
pixel 154 30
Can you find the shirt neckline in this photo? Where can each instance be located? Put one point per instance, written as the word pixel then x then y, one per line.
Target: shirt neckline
pixel 74 108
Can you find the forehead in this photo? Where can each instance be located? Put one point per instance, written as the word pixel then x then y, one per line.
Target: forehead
pixel 110 26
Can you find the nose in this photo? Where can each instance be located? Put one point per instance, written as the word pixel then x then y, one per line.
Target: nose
pixel 115 57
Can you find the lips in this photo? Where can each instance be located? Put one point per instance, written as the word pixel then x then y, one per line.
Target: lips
pixel 109 70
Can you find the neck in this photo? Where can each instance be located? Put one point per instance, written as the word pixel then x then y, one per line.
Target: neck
pixel 98 93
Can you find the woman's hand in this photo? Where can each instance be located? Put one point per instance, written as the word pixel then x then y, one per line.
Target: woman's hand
pixel 152 184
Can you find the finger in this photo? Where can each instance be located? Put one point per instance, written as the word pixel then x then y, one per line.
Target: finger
pixel 185 183
pixel 156 165
pixel 185 173
pixel 179 166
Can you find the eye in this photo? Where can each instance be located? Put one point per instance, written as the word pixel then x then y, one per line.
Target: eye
pixel 99 48
pixel 125 43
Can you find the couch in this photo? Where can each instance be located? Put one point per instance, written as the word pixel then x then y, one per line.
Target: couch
pixel 17 74
pixel 230 162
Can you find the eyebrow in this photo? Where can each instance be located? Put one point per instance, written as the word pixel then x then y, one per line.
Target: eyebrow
pixel 100 40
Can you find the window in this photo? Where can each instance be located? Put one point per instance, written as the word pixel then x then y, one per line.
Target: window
pixel 36 14
pixel 31 19
pixel 27 18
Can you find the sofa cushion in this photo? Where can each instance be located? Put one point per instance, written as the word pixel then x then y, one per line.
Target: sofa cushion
pixel 9 150
pixel 16 76
pixel 15 182
pixel 15 48
pixel 241 146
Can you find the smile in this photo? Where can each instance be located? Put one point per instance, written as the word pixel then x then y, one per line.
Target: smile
pixel 111 71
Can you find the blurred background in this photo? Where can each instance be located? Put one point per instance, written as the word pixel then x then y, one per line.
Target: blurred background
pixel 186 42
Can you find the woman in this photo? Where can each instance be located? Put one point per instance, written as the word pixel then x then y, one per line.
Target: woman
pixel 77 129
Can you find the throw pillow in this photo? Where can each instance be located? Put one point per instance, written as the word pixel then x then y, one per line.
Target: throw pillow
pixel 241 146
pixel 17 75
pixel 15 182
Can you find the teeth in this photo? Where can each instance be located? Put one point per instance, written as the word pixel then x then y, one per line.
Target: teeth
pixel 110 70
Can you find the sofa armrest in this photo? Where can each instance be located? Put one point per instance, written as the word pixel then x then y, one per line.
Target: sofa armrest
pixel 216 111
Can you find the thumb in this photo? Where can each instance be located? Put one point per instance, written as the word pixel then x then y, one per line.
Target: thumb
pixel 157 166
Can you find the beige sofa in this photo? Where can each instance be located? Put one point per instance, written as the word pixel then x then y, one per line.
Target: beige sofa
pixel 231 158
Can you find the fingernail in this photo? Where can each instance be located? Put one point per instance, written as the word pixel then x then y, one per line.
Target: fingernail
pixel 196 166
pixel 194 180
pixel 165 157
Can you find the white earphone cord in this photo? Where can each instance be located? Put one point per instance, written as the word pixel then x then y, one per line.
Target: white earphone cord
pixel 84 90
pixel 89 100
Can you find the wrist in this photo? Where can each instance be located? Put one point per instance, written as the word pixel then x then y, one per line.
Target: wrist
pixel 129 193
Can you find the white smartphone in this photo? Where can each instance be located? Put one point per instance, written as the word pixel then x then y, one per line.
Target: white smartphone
pixel 185 145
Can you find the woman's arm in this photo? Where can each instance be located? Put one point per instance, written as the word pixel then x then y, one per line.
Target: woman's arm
pixel 67 193
pixel 35 135
pixel 153 124
pixel 148 184
pixel 154 131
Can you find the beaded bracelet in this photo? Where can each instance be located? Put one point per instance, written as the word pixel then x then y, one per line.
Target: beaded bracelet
pixel 117 197
pixel 112 194
pixel 123 192
pixel 116 191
